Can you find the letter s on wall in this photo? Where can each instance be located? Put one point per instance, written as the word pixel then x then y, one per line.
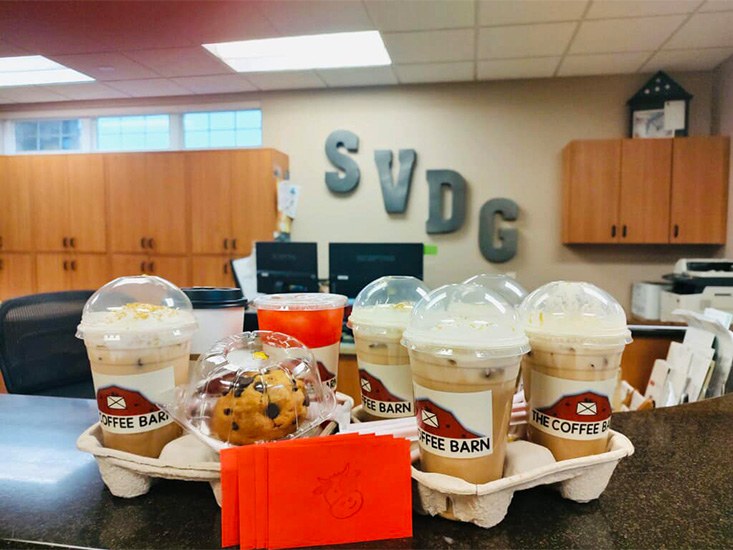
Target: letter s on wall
pixel 350 179
pixel 509 211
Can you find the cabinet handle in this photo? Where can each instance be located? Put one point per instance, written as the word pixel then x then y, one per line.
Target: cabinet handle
pixel 72 242
pixel 623 231
pixel 66 265
pixel 65 242
pixel 2 264
pixel 676 231
pixel 234 244
pixel 613 230
pixel 1 241
pixel 142 267
pixel 73 265
pixel 226 269
pixel 151 265
pixel 226 244
pixel 151 243
pixel 142 242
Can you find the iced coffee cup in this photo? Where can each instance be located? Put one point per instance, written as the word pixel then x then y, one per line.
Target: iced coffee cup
pixel 314 318
pixel 379 317
pixel 577 333
pixel 465 346
pixel 504 285
pixel 137 331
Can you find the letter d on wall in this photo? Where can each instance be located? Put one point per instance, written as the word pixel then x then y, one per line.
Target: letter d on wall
pixel 457 185
pixel 350 141
pixel 509 211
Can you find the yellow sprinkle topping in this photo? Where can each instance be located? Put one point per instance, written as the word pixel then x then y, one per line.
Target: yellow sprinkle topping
pixel 260 355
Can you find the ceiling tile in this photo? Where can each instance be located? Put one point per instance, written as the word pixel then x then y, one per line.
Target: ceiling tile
pixel 289 80
pixel 501 12
pixel 106 66
pixel 30 94
pixel 524 40
pixel 86 90
pixel 606 9
pixel 624 35
pixel 389 15
pixel 614 63
pixel 717 5
pixel 704 30
pixel 180 61
pixel 506 69
pixel 363 76
pixel 315 16
pixel 688 60
pixel 435 72
pixel 153 87
pixel 218 84
pixel 430 46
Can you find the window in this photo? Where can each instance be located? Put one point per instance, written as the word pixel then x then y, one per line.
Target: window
pixel 222 129
pixel 47 135
pixel 133 133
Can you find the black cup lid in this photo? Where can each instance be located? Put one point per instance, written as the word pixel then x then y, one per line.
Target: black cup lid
pixel 209 297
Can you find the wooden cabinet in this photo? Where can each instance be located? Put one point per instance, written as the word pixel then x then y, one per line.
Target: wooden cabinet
pixel 16 275
pixel 233 198
pixel 147 202
pixel 700 190
pixel 69 210
pixel 211 271
pixel 15 198
pixel 653 191
pixel 56 272
pixel 173 268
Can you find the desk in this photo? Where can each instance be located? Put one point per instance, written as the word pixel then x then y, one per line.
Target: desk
pixel 663 496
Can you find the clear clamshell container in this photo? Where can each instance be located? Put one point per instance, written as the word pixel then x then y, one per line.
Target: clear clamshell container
pixel 255 387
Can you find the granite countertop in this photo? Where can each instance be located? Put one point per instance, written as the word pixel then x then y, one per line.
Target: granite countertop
pixel 674 492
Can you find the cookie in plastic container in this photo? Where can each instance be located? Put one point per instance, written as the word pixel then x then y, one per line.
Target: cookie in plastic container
pixel 255 387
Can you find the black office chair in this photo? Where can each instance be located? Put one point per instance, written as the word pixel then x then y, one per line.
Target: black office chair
pixel 39 352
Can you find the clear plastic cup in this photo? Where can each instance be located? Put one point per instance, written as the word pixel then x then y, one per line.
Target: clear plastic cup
pixel 465 345
pixel 378 318
pixel 577 333
pixel 137 331
pixel 254 387
pixel 505 286
pixel 314 318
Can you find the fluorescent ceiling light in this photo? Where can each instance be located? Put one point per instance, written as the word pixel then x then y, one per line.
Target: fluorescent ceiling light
pixel 293 53
pixel 36 69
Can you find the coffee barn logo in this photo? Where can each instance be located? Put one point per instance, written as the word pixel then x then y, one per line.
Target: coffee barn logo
pixel 497 245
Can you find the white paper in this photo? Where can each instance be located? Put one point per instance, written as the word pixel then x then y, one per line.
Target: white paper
pixel 698 339
pixel 699 369
pixel 674 115
pixel 245 272
pixel 724 317
pixel 288 195
pixel 656 386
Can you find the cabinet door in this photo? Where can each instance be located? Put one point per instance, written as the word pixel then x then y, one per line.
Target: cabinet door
pixel 124 265
pixel 53 272
pixel 165 199
pixel 646 175
pixel 50 199
pixel 591 191
pixel 212 271
pixel 87 208
pixel 15 198
pixel 176 269
pixel 699 190
pixel 16 275
pixel 88 271
pixel 209 174
pixel 128 212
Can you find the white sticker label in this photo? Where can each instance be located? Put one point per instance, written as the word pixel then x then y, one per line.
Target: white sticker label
pixel 386 390
pixel 454 425
pixel 571 409
pixel 328 362
pixel 123 401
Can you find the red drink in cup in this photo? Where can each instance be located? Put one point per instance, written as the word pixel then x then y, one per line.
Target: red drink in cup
pixel 315 319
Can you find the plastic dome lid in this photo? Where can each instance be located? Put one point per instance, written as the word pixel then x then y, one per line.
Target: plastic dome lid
pixel 252 387
pixel 465 316
pixel 507 287
pixel 387 302
pixel 300 301
pixel 576 310
pixel 139 310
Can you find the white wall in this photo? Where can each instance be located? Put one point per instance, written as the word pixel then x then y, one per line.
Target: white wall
pixel 505 138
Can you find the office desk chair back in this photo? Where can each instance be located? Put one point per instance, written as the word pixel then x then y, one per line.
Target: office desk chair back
pixel 39 352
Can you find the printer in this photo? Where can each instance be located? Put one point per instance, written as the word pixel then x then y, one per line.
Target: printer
pixel 698 284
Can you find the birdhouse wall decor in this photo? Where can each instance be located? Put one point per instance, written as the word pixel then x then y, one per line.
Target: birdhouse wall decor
pixel 660 109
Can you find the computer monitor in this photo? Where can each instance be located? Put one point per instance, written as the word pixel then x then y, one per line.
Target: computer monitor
pixel 286 267
pixel 352 266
